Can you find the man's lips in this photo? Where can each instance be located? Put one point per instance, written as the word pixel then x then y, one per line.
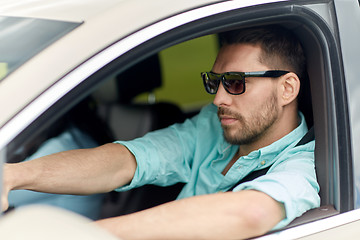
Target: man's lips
pixel 227 120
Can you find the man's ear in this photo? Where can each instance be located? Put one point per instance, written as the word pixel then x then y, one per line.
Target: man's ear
pixel 289 88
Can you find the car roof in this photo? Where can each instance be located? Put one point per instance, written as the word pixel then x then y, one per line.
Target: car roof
pixel 63 10
pixel 83 10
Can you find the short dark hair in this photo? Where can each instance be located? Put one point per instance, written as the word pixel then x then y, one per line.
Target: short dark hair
pixel 281 49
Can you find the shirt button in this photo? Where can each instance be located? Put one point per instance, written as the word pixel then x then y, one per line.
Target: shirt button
pixel 263 162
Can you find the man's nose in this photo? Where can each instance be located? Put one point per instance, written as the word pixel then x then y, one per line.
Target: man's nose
pixel 222 97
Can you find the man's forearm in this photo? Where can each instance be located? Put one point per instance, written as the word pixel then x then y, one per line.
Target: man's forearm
pixel 217 216
pixel 83 171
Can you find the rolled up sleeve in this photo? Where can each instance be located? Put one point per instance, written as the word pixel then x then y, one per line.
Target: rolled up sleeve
pixel 290 181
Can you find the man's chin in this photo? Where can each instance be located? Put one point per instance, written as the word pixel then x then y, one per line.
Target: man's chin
pixel 237 139
pixel 231 138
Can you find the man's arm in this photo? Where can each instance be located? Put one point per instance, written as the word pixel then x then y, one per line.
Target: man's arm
pixel 230 215
pixel 82 171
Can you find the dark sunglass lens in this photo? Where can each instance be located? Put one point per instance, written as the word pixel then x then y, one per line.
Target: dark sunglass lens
pixel 234 84
pixel 211 83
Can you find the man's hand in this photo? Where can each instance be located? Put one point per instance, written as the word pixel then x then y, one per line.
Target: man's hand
pixel 5 189
pixel 4 200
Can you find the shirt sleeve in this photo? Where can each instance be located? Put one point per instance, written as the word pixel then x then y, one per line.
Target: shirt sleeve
pixel 164 157
pixel 291 181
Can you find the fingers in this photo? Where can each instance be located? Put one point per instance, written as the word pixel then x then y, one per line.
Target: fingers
pixel 4 202
pixel 5 190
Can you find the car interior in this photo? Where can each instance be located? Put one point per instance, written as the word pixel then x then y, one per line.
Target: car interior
pixel 118 115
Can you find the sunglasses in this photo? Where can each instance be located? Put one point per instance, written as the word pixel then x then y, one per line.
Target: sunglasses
pixel 234 82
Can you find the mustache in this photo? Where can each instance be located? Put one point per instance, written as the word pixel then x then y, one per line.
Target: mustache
pixel 226 111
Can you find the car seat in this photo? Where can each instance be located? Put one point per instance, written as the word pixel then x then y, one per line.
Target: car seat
pixel 127 120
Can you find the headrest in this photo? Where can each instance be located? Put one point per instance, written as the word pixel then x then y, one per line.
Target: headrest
pixel 143 77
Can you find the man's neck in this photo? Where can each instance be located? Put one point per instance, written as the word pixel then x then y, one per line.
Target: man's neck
pixel 233 160
pixel 282 127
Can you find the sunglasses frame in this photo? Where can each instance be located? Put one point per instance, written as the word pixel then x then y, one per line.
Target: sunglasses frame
pixel 222 77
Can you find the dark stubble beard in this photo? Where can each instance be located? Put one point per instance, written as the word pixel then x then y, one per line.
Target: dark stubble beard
pixel 250 130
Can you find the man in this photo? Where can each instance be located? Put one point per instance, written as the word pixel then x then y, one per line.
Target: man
pixel 254 123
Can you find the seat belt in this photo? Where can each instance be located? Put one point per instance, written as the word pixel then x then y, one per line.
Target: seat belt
pixel 308 137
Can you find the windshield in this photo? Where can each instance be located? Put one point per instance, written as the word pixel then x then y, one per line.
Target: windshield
pixel 23 38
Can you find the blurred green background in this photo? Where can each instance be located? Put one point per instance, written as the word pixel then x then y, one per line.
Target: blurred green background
pixel 181 66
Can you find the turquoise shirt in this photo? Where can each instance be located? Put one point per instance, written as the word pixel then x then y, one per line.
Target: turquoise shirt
pixel 196 153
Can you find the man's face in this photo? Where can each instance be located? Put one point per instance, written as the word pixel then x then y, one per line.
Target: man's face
pixel 250 116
